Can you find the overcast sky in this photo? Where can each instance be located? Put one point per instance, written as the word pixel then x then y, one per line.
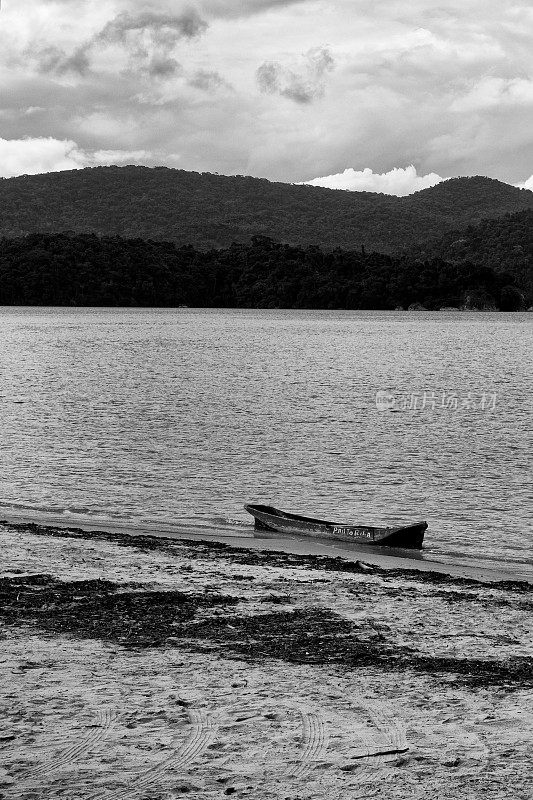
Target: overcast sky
pixel 367 94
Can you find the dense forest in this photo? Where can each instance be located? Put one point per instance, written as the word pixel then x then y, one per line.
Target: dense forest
pixel 504 245
pixel 84 269
pixel 212 211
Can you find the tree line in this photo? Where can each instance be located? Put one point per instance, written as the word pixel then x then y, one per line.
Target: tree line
pixel 70 269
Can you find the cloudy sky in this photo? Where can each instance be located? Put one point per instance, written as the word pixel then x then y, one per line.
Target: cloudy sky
pixel 385 95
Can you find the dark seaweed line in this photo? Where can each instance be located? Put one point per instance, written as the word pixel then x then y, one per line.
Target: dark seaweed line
pixel 276 558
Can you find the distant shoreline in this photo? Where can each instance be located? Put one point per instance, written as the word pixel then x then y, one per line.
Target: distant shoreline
pixel 406 311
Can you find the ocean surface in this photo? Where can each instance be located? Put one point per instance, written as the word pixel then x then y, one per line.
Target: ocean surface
pixel 172 419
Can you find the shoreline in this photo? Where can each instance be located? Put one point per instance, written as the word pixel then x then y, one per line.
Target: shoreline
pixel 397 560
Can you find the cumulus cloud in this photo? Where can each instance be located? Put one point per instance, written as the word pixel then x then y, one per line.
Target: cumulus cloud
pixel 399 181
pixel 304 83
pixel 150 38
pixel 147 38
pixel 164 29
pixel 32 156
pixel 526 184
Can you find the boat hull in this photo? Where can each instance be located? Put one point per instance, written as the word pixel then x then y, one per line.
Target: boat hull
pixel 272 519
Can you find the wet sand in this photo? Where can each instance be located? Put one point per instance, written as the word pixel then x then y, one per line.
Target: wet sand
pixel 247 537
pixel 162 668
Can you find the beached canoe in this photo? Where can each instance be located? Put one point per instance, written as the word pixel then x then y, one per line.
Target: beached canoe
pixel 271 519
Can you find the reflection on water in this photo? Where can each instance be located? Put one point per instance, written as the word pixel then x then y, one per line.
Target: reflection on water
pixel 175 418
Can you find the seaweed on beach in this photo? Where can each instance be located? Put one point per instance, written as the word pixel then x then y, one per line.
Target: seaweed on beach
pixel 452 595
pixel 101 609
pixel 137 618
pixel 319 636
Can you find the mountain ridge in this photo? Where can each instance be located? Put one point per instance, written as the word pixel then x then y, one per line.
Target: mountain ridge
pixel 211 211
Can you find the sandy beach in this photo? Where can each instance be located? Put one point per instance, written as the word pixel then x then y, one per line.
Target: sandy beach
pixel 154 668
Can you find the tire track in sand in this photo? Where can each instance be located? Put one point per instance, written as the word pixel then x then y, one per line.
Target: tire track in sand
pixel 372 763
pixel 204 729
pixel 104 721
pixel 314 743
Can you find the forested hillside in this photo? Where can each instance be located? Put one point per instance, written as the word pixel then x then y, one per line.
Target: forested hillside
pixel 211 211
pixel 504 245
pixel 83 269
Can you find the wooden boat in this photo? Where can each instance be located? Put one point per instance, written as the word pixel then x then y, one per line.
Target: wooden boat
pixel 268 518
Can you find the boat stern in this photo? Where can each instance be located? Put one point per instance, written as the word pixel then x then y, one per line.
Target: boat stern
pixel 410 537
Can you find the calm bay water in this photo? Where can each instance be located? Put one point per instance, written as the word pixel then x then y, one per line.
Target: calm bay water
pixel 175 417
